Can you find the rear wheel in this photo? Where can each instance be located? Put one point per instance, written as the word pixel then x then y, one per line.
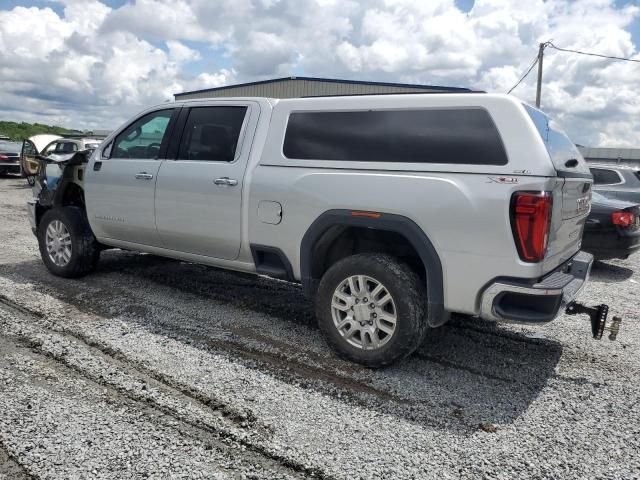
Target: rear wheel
pixel 372 309
pixel 67 245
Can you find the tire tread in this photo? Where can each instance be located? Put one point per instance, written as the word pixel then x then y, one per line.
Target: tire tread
pixel 413 334
pixel 86 249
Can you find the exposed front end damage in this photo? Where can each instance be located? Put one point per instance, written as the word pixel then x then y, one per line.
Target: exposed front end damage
pixel 59 181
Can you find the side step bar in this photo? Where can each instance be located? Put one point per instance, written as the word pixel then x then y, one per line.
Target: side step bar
pixel 598 316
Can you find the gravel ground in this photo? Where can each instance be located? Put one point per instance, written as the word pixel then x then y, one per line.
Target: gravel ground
pixel 158 368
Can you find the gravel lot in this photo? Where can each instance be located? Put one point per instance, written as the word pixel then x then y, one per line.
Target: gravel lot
pixel 153 368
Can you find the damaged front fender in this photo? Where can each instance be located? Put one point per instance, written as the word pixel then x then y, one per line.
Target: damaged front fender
pixel 56 174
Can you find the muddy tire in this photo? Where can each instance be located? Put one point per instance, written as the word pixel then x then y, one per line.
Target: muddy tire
pixel 371 309
pixel 67 245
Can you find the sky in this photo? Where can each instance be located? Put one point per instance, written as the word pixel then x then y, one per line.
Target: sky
pixel 92 64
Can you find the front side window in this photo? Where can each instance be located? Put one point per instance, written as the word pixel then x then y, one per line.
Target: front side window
pixel 603 176
pixel 212 133
pixel 143 138
pixel 458 136
pixel 29 148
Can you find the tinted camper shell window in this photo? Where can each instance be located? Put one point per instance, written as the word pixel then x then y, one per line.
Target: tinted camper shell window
pixel 560 148
pixel 454 136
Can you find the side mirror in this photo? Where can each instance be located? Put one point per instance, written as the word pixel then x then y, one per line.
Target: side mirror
pixel 106 151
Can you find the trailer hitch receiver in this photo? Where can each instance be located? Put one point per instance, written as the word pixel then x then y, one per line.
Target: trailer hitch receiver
pixel 598 316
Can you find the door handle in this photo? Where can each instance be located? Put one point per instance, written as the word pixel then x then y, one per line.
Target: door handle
pixel 226 181
pixel 144 176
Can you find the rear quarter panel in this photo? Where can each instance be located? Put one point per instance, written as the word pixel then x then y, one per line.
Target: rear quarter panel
pixel 466 217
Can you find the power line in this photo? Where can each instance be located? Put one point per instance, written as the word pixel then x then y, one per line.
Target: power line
pixel 533 64
pixel 625 59
pixel 568 50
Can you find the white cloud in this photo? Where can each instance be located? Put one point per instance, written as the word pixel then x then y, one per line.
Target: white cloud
pixel 67 71
pixel 94 65
pixel 180 53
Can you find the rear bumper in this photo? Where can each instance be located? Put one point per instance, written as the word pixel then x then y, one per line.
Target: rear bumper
pixel 521 300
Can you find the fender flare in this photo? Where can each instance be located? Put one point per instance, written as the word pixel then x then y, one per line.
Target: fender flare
pixel 388 222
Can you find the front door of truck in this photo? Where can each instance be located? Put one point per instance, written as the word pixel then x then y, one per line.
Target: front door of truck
pixel 199 188
pixel 121 180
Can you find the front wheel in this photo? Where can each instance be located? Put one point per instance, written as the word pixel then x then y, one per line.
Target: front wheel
pixel 67 245
pixel 372 309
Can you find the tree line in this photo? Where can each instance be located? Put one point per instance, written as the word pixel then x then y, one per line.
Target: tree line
pixel 19 131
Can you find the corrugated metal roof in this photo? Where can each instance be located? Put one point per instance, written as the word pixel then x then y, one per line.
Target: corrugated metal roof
pixel 597 153
pixel 329 80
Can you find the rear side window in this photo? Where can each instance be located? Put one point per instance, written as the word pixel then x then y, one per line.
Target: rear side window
pixel 459 136
pixel 602 176
pixel 212 133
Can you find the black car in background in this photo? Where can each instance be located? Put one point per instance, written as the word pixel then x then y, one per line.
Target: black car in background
pixel 9 157
pixel 612 229
pixel 617 181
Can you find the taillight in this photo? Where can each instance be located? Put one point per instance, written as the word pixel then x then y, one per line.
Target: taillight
pixel 3 157
pixel 530 220
pixel 623 219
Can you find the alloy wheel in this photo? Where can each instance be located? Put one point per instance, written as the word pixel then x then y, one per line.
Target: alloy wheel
pixel 58 243
pixel 364 312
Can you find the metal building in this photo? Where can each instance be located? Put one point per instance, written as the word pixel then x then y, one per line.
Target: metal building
pixel 623 156
pixel 295 87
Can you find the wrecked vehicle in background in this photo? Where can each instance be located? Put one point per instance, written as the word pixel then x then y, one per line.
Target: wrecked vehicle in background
pixel 32 147
pixel 46 145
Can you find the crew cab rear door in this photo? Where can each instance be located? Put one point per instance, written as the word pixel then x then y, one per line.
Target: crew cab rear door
pixel 121 180
pixel 199 191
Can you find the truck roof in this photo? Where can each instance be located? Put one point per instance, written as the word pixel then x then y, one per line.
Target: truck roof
pixel 456 97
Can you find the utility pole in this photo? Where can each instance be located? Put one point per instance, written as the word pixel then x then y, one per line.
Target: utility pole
pixel 539 87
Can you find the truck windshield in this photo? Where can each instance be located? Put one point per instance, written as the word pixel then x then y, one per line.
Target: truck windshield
pixel 561 149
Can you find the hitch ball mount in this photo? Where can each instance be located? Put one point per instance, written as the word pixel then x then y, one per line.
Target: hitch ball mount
pixel 598 316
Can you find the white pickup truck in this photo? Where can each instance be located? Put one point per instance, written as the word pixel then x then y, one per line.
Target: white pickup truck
pixel 393 210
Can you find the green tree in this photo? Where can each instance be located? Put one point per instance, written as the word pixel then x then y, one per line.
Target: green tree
pixel 19 131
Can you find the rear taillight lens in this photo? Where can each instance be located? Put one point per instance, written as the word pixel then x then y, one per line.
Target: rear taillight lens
pixel 531 220
pixel 3 157
pixel 623 219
